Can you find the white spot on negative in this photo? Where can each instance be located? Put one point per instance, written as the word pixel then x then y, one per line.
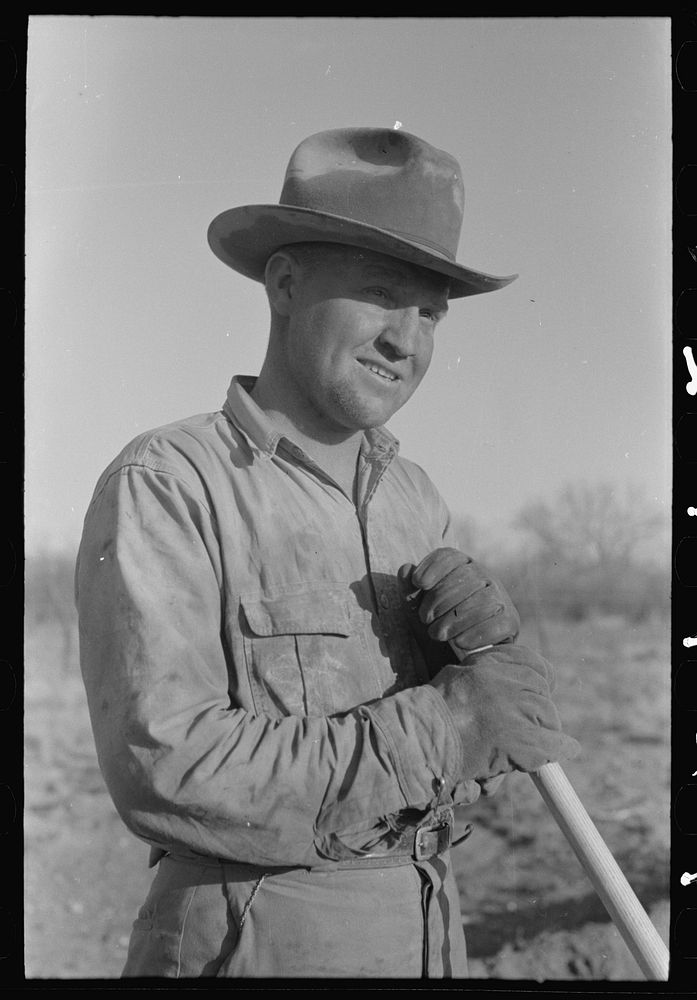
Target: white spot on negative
pixel 690 640
pixel 692 368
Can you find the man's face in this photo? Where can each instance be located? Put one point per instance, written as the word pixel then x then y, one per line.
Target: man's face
pixel 360 338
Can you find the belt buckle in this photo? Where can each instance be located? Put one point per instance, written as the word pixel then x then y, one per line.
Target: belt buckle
pixel 434 836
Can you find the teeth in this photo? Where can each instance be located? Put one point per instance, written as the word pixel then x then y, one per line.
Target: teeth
pixel 381 372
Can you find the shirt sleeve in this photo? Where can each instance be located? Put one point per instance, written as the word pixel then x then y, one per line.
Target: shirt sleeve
pixel 186 766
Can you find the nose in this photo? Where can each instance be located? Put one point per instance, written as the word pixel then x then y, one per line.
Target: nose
pixel 400 335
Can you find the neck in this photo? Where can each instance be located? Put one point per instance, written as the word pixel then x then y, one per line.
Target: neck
pixel 338 461
pixel 335 451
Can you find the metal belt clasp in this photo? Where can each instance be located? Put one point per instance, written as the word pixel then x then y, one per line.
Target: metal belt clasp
pixel 434 836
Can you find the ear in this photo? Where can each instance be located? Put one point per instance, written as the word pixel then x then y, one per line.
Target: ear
pixel 280 278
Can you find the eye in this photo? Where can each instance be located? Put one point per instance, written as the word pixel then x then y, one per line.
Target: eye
pixel 379 293
pixel 429 314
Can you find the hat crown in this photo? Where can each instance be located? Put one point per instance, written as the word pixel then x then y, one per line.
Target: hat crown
pixel 383 178
pixel 380 189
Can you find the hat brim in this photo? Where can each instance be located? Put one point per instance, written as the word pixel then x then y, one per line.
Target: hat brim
pixel 244 238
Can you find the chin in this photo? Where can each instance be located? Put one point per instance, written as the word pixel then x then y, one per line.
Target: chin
pixel 360 411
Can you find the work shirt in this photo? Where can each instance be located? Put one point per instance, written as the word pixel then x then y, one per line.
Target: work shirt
pixel 255 692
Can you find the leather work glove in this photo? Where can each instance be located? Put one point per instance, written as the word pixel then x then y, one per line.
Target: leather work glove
pixel 503 713
pixel 452 599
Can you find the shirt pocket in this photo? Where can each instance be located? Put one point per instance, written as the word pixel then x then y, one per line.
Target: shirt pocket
pixel 306 653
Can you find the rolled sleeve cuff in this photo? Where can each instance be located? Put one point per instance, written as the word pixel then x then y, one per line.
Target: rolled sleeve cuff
pixel 419 731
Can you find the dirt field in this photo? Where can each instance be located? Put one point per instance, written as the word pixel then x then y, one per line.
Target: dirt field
pixel 528 908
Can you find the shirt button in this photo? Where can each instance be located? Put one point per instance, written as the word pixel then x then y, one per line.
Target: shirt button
pixel 384 600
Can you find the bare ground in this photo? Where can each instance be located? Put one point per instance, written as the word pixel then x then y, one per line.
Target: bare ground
pixel 528 908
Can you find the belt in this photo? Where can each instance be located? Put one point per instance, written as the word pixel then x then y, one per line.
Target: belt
pixel 429 839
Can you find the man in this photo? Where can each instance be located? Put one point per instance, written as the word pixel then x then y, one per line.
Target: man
pixel 293 673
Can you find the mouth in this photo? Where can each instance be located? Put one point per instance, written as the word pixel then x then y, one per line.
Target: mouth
pixel 383 374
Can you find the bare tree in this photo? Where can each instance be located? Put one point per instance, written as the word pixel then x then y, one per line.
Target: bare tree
pixel 591 525
pixel 49 597
pixel 591 546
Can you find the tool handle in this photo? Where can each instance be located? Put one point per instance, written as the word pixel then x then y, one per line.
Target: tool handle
pixel 629 916
pixel 616 894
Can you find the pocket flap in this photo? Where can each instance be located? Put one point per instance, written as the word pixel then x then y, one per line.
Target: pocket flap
pixel 321 610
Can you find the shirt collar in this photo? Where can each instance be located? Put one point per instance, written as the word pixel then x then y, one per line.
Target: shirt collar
pixel 241 409
pixel 264 437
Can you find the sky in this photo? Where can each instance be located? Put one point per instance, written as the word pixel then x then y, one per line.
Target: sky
pixel 141 129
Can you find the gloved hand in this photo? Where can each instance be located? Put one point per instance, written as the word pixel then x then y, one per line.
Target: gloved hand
pixel 503 712
pixel 457 601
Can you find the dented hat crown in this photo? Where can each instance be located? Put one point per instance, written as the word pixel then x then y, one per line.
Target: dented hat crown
pixel 379 189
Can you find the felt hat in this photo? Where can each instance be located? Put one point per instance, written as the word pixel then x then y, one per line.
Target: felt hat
pixel 376 188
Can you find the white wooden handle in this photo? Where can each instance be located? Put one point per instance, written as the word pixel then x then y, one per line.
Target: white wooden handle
pixel 629 916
